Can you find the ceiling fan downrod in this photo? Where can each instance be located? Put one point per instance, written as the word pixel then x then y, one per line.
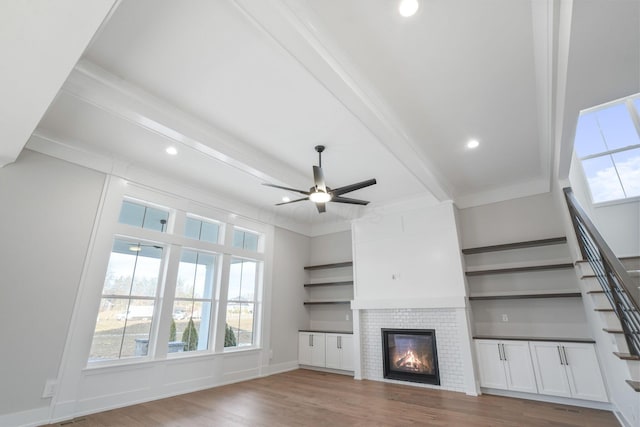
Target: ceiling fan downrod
pixel 319 149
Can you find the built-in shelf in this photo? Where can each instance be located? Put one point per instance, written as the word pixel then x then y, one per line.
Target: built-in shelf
pixel 347 282
pixel 520 269
pixel 526 296
pixel 323 331
pixel 326 302
pixel 517 245
pixel 333 265
pixel 525 338
pixel 626 356
pixel 635 385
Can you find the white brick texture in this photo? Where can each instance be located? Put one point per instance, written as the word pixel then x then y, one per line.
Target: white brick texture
pixel 443 320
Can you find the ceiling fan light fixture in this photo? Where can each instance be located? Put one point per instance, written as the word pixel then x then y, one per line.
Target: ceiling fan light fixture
pixel 319 197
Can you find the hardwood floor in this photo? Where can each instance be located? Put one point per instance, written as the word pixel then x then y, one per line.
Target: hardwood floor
pixel 310 398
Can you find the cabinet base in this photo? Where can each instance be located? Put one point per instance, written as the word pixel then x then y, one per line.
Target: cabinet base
pixel 328 370
pixel 549 399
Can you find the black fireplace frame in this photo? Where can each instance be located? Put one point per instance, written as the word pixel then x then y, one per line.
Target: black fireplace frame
pixel 433 379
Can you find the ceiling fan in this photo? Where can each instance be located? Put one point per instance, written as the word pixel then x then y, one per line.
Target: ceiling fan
pixel 320 194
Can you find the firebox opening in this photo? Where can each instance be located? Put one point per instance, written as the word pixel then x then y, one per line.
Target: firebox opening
pixel 410 355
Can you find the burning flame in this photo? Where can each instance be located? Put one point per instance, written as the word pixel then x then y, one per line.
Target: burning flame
pixel 410 361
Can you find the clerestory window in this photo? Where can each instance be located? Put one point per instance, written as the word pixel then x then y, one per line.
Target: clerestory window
pixel 607 143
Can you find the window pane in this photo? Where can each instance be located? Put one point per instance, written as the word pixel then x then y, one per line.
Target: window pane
pixel 131 214
pixel 251 241
pixel 133 269
pixel 248 280
pixel 209 232
pixel 235 278
pixel 196 338
pixel 192 229
pixel 196 275
pixel 603 179
pixel 588 138
pixel 617 127
pixel 155 219
pixel 240 322
pixel 628 165
pixel 238 239
pixel 122 329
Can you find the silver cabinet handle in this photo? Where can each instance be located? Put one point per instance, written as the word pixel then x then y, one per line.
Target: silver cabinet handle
pixel 311 340
pixel 499 352
pixel 504 353
pixel 566 361
pixel 339 342
pixel 560 355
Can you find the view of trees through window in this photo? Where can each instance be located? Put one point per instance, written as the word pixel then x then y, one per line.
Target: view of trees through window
pixel 139 271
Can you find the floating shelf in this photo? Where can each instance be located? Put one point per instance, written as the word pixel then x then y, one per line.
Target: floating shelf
pixel 334 265
pixel 326 302
pixel 517 245
pixel 512 338
pixel 348 282
pixel 634 385
pixel 526 296
pixel 519 269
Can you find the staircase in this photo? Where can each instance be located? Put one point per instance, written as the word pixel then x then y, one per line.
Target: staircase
pixel 613 286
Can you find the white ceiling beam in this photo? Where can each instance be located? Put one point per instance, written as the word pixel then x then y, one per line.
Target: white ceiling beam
pixel 95 86
pixel 295 36
pixel 40 41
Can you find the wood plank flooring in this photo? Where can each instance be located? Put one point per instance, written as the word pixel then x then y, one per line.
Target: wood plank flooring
pixel 310 398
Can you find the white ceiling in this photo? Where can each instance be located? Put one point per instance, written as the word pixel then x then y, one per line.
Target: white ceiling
pixel 245 89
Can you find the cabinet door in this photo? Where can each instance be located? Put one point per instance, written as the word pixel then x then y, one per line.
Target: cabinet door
pixel 548 365
pixel 332 351
pixel 304 348
pixel 346 350
pixel 317 349
pixel 518 366
pixel 490 364
pixel 583 372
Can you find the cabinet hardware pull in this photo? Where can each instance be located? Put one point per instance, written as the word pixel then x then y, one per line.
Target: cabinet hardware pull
pixel 566 361
pixel 560 355
pixel 499 352
pixel 504 353
pixel 310 340
pixel 340 342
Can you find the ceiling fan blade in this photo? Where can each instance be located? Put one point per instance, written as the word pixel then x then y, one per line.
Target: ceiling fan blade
pixel 349 200
pixel 321 207
pixel 352 187
pixel 287 188
pixel 318 178
pixel 292 201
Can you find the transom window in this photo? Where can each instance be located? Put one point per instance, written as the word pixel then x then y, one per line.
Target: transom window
pixel 607 143
pixel 173 282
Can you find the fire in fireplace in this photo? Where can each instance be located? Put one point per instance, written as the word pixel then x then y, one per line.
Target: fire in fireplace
pixel 410 355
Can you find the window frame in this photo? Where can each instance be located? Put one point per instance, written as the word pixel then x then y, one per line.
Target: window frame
pixel 634 114
pixel 173 240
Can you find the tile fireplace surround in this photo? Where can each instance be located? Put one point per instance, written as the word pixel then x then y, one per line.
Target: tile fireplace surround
pixel 443 320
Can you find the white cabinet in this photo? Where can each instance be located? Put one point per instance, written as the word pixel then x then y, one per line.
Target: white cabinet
pixel 311 348
pixel 568 369
pixel 506 365
pixel 339 351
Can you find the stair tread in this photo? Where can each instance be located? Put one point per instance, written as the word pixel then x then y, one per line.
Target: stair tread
pixel 634 385
pixel 626 356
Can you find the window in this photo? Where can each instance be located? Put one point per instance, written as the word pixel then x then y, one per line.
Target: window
pixel 241 302
pixel 194 300
pixel 245 239
pixel 607 143
pixel 157 278
pixel 128 301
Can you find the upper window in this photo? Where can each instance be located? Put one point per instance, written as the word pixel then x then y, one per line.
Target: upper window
pixel 608 145
pixel 198 229
pixel 143 216
pixel 245 239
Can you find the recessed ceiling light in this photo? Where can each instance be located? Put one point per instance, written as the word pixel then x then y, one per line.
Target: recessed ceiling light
pixel 171 150
pixel 286 199
pixel 408 8
pixel 473 143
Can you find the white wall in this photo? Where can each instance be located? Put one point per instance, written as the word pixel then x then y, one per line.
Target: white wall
pixel 411 255
pixel 330 248
pixel 47 210
pixel 291 254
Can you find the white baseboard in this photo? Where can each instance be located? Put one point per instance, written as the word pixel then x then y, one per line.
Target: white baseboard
pixel 550 399
pixel 279 368
pixel 30 418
